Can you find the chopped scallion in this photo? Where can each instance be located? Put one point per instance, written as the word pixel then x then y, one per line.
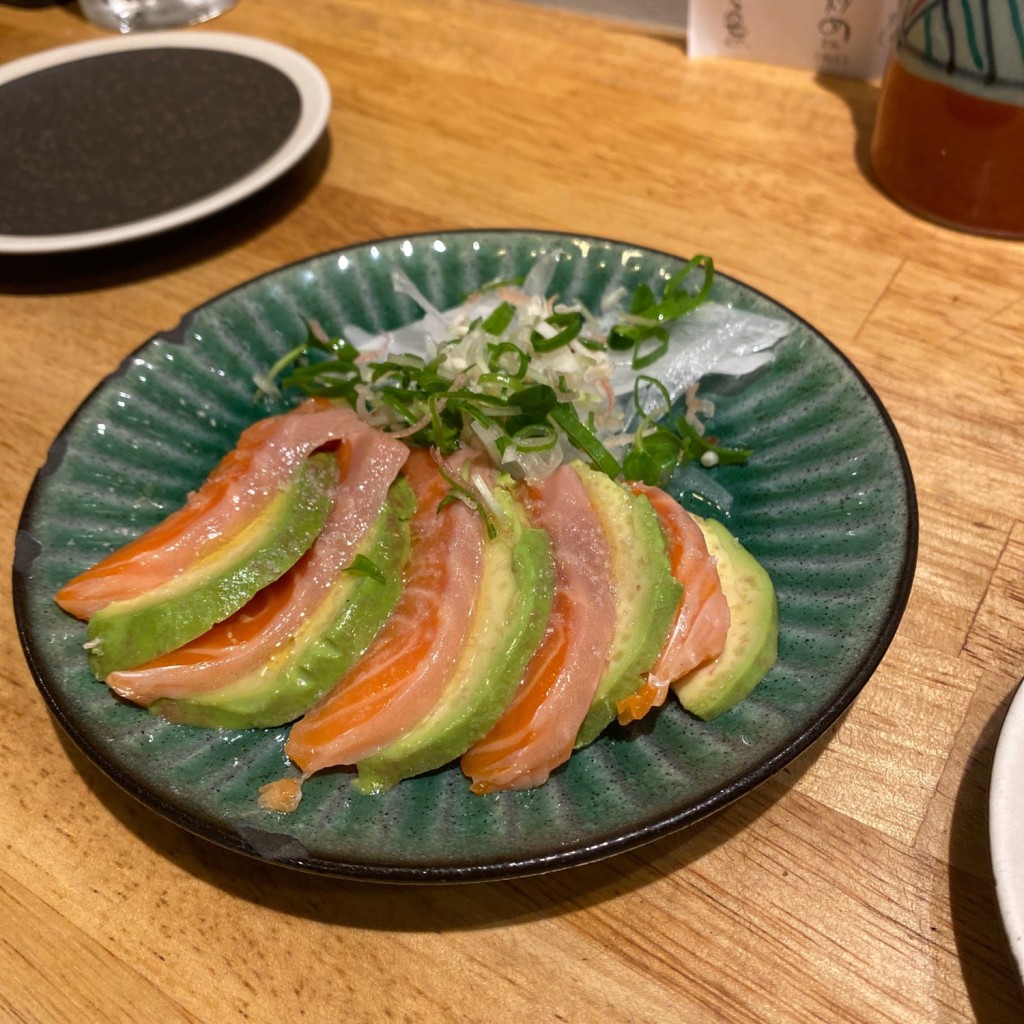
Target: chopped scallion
pixel 363 566
pixel 523 379
pixel 499 319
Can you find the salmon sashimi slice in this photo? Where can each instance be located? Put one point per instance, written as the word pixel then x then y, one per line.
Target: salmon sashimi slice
pixel 702 618
pixel 538 730
pixel 329 642
pixel 265 459
pixel 509 620
pixel 403 673
pixel 368 461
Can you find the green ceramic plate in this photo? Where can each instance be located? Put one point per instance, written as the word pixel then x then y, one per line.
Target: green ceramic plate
pixel 827 504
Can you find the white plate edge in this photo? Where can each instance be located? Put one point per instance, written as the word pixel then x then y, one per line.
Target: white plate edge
pixel 315 105
pixel 1006 824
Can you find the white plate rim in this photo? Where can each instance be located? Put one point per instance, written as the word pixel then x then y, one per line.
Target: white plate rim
pixel 315 105
pixel 1006 825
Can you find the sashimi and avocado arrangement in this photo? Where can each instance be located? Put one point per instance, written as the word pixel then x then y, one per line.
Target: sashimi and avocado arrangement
pixel 459 546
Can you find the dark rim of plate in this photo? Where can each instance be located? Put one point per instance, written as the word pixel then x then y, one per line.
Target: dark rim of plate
pixel 586 851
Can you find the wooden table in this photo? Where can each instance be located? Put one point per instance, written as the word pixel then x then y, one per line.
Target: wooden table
pixel 854 886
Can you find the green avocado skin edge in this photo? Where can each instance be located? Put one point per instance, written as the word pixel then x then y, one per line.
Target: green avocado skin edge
pixel 129 633
pixel 358 607
pixel 647 596
pixel 519 596
pixel 752 643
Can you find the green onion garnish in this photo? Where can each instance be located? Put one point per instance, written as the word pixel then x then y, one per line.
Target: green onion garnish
pixel 566 417
pixel 537 437
pixel 500 356
pixel 497 377
pixel 461 491
pixel 363 566
pixel 569 325
pixel 498 321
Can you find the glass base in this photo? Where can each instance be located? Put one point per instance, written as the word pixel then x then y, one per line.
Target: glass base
pixel 143 15
pixel 948 155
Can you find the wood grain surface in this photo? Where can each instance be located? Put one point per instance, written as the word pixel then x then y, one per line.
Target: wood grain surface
pixel 855 886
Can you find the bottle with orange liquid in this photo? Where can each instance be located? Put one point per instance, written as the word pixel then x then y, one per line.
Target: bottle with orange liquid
pixel 949 135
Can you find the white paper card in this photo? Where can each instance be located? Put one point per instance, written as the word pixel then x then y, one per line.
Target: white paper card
pixel 837 37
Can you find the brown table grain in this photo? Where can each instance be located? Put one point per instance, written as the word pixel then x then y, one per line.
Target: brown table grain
pixel 854 886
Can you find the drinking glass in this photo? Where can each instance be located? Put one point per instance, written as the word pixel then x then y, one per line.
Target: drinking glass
pixel 948 141
pixel 139 15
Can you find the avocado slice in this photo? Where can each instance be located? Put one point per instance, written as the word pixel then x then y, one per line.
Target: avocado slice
pixel 512 610
pixel 128 633
pixel 751 645
pixel 647 594
pixel 330 642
